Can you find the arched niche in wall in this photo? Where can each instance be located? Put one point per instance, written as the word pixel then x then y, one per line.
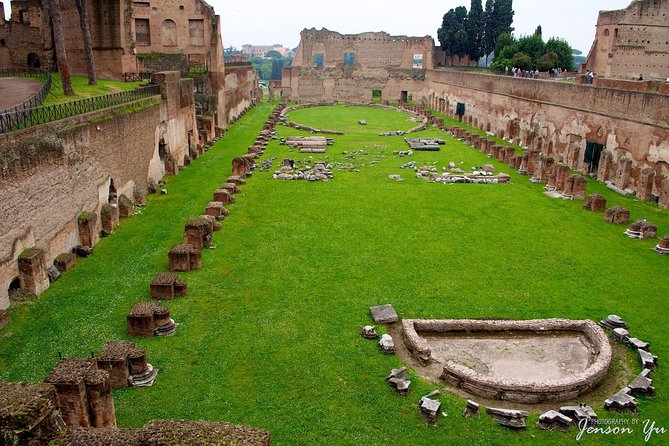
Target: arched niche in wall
pixel 350 55
pixel 168 33
pixel 318 55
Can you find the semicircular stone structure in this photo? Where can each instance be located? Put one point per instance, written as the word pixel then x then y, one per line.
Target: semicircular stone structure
pixel 532 361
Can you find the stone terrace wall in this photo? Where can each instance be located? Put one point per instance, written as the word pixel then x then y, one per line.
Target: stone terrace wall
pixel 632 41
pixel 241 90
pixel 50 173
pixel 558 119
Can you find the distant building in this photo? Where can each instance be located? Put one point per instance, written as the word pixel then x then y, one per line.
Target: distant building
pixel 131 37
pixel 261 50
pixel 631 42
pixel 329 65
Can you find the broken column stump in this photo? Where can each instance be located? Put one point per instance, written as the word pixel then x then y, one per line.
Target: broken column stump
pixel 231 187
pixel 224 196
pixel 198 232
pixel 65 261
pixel 125 206
pixel 641 229
pixel 184 258
pixel 617 215
pixel 109 217
pixel 84 393
pixel 216 209
pixel 88 230
pixel 33 271
pixel 662 248
pixel 126 365
pixel 168 286
pixel 150 319
pixel 236 180
pixel 29 414
pixel 595 203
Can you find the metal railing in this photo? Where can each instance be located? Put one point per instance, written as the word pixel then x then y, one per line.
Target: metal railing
pixel 15 119
pixel 36 99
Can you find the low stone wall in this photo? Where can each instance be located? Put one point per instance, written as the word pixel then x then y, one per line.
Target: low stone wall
pixel 507 389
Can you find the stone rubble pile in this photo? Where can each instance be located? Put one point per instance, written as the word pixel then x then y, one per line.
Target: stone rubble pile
pixel 290 170
pixel 623 400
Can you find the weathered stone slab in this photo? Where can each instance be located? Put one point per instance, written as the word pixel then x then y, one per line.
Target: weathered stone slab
pixel 638 343
pixel 579 413
pixel 384 314
pixel 65 261
pixel 511 418
pixel 642 384
pixel 648 360
pixel 554 420
pixel 471 409
pixel 622 401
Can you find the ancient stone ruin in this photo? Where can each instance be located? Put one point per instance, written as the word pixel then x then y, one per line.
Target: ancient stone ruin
pixel 150 319
pixel 184 257
pixel 641 229
pixel 595 203
pixel 198 233
pixel 662 248
pixel 449 343
pixel 84 393
pixel 617 215
pixel 31 414
pixel 126 365
pixel 168 286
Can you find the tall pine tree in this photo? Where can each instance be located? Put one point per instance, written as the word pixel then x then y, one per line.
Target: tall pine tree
pixel 475 28
pixel 489 37
pixel 503 17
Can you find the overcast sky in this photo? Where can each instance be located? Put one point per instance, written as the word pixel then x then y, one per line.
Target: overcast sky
pixel 264 22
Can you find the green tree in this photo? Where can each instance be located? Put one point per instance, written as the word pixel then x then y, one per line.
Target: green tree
pixel 450 35
pixel 538 31
pixel 548 61
pixel 277 68
pixel 489 37
pixel 475 27
pixel 502 17
pixel 563 51
pixel 522 61
pixel 533 46
pixel 273 54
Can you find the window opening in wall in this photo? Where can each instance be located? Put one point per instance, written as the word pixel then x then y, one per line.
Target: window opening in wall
pixel 377 96
pixel 33 60
pixel 113 195
pixel 318 60
pixel 606 33
pixel 162 150
pixel 22 15
pixel 417 61
pixel 143 4
pixel 593 153
pixel 349 59
pixel 404 96
pixel 168 32
pixel 196 32
pixel 142 32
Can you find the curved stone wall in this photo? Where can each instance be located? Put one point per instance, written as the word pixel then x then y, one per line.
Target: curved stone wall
pixel 508 389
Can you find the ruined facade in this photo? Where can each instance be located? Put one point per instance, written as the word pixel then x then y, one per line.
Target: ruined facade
pixel 130 37
pixel 43 165
pixel 330 65
pixel 632 42
pixel 606 129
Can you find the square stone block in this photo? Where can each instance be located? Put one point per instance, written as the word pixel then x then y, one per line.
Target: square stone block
pixel 384 314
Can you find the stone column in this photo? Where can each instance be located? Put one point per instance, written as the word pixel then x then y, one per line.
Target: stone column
pixel 33 271
pixel 109 217
pixel 88 229
pixel 645 185
pixel 605 161
pixel 100 400
pixel 624 173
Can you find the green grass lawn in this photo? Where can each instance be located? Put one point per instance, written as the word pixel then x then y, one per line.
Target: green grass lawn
pixel 82 90
pixel 268 335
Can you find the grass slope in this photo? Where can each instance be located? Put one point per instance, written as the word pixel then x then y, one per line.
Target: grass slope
pixel 82 90
pixel 268 334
